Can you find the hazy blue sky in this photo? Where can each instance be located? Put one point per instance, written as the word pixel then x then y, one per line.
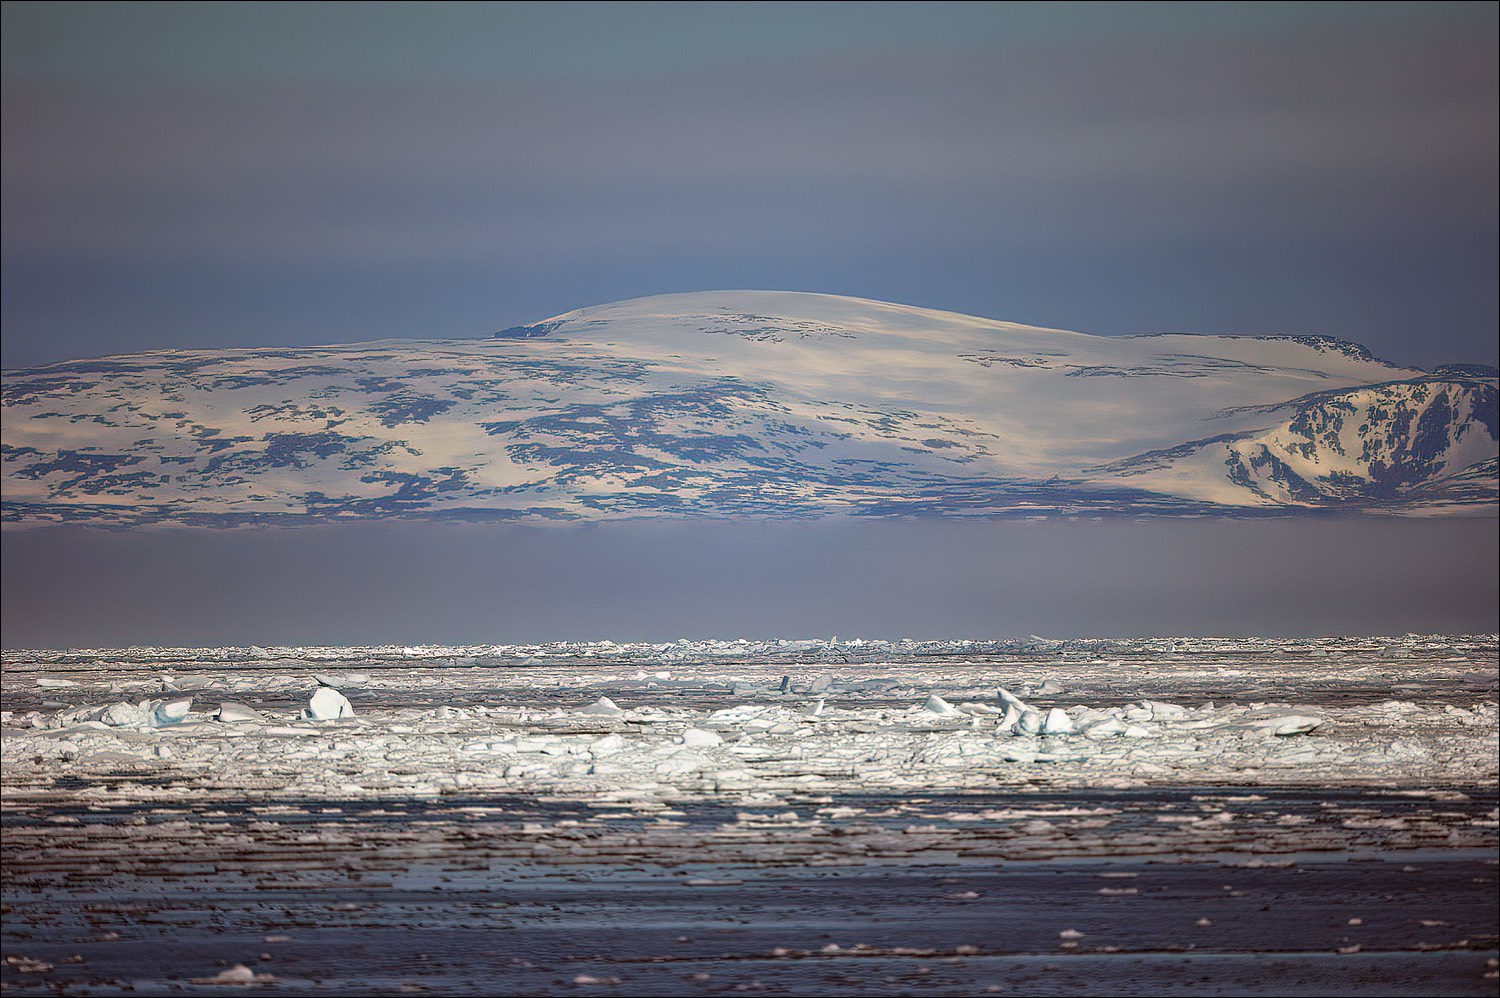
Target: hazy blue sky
pixel 202 175
pixel 181 174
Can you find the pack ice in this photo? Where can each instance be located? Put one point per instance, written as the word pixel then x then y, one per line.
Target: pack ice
pixel 581 720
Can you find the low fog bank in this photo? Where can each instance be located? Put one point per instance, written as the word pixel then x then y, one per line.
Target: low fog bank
pixel 428 583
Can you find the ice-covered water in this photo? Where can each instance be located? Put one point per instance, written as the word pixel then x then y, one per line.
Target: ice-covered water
pixel 215 791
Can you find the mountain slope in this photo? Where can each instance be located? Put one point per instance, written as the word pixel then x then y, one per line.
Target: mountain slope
pixel 746 403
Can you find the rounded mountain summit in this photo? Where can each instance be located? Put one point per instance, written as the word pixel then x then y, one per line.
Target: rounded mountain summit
pixel 748 404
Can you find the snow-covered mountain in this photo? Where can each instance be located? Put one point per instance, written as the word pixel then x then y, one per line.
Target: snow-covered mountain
pixel 759 403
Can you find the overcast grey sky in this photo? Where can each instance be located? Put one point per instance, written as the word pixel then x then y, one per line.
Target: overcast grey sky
pixel 248 174
pixel 204 175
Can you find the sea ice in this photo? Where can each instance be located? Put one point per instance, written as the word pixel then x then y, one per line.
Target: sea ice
pixel 239 975
pixel 1285 724
pixel 237 713
pixel 171 711
pixel 937 705
pixel 1057 722
pixel 346 680
pixel 1012 702
pixel 328 704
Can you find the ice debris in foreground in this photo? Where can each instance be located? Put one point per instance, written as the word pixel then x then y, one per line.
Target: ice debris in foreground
pixel 603 719
pixel 328 704
pixel 237 713
pixel 143 714
pixel 238 975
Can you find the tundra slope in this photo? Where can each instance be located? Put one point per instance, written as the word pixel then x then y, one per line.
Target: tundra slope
pixel 756 403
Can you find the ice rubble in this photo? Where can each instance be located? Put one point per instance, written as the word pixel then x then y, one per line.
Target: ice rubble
pixel 646 658
pixel 585 718
pixel 124 714
pixel 856 741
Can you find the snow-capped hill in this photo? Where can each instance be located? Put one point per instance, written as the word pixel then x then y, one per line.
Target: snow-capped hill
pixel 1395 444
pixel 746 403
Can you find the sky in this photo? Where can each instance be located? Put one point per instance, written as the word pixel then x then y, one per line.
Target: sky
pixel 180 175
pixel 185 174
pixel 436 584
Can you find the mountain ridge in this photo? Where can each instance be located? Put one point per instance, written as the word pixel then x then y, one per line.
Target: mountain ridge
pixel 760 404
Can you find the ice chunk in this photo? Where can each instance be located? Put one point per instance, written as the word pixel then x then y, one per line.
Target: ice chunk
pixel 1286 724
pixel 181 684
pixel 1162 711
pixel 698 738
pixel 125 714
pixel 1103 727
pixel 816 709
pixel 603 705
pixel 348 680
pixel 1011 701
pixel 328 704
pixel 231 712
pixel 48 683
pixel 171 711
pixel 239 976
pixel 1030 723
pixel 821 683
pixel 937 705
pixel 1057 722
pixel 731 716
pixel 608 745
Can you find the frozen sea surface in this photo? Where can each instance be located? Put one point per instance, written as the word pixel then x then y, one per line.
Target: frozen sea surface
pixel 1183 816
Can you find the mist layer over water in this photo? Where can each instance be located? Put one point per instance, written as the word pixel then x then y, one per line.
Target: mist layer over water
pixel 416 583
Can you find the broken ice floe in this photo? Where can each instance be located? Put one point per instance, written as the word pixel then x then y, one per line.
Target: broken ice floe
pixel 1284 724
pixel 328 704
pixel 124 714
pixel 183 684
pixel 231 712
pixel 1057 722
pixel 937 705
pixel 342 680
pixel 1011 702
pixel 923 725
pixel 238 975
